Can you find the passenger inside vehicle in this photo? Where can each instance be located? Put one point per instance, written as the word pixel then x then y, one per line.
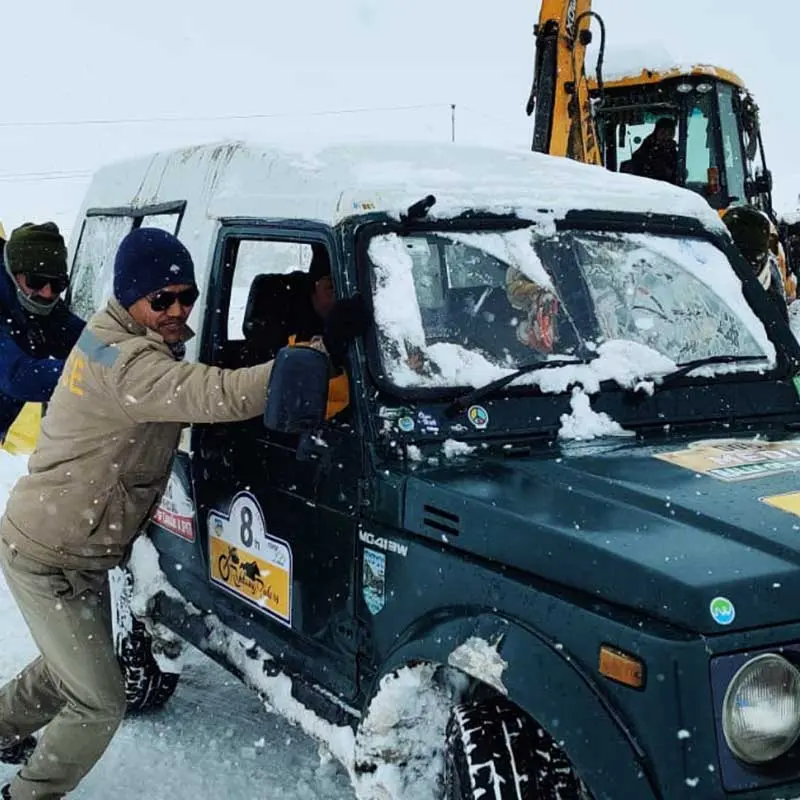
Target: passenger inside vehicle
pixel 286 308
pixel 538 328
pixel 290 309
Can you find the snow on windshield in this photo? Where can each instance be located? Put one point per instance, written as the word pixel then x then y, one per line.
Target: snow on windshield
pixel 513 247
pixel 710 266
pixel 463 309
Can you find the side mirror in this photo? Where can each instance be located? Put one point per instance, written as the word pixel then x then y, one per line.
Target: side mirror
pixel 298 391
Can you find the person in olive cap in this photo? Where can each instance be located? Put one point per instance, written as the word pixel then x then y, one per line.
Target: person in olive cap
pixel 750 230
pixel 37 330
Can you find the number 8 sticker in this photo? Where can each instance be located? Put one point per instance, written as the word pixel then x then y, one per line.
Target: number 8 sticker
pixel 248 562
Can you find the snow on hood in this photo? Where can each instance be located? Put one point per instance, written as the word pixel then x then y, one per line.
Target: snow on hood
pixel 584 423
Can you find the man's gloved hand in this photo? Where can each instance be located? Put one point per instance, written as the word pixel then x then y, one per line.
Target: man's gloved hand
pixel 346 320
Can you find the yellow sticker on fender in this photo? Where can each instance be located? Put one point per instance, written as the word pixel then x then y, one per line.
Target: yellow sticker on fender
pixel 737 459
pixel 785 502
pixel 246 561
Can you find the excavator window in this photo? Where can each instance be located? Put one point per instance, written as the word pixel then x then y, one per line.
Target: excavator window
pixel 636 136
pixel 702 163
pixel 731 144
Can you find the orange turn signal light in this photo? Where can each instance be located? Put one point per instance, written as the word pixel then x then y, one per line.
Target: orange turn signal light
pixel 621 667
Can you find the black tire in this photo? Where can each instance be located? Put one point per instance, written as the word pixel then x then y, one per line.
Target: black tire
pixel 494 750
pixel 224 567
pixel 147 687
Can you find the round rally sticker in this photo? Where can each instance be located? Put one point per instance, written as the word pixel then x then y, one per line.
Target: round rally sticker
pixel 722 611
pixel 478 416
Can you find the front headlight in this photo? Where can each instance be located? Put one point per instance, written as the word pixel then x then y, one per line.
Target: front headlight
pixel 761 709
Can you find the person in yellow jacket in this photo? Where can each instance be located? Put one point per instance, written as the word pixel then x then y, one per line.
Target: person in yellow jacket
pixel 297 308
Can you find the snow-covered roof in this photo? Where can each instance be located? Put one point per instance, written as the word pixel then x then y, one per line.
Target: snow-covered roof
pixel 651 62
pixel 330 183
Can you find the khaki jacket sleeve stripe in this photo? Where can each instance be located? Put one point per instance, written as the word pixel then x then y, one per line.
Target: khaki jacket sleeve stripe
pixel 96 350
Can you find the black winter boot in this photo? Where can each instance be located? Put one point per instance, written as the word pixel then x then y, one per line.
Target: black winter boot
pixel 19 751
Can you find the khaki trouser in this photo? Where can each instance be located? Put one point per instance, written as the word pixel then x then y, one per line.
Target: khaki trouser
pixel 75 685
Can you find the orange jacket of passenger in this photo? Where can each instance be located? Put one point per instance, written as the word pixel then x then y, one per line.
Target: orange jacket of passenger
pixel 338 389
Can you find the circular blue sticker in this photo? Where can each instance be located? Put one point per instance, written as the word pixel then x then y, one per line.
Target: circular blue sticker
pixel 406 424
pixel 722 611
pixel 478 416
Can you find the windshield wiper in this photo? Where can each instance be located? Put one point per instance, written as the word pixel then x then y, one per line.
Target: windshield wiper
pixel 465 400
pixel 684 369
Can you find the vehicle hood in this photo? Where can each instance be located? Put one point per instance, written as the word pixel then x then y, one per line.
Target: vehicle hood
pixel 665 530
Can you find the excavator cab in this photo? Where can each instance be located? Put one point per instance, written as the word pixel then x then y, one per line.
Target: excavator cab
pixel 718 142
pixel 717 149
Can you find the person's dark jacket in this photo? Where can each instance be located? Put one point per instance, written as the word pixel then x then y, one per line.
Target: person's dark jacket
pixel 32 351
pixel 656 160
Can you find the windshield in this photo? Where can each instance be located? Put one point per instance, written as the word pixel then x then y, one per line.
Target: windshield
pixel 462 309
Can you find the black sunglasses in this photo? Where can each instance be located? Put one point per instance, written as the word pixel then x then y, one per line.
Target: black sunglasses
pixel 163 300
pixel 38 282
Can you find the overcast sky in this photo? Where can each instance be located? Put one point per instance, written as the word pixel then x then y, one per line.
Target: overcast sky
pixel 87 62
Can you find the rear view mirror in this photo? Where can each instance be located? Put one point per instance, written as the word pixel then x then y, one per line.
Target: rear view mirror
pixel 298 391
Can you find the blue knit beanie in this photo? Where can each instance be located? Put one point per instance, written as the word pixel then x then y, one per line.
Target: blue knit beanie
pixel 148 259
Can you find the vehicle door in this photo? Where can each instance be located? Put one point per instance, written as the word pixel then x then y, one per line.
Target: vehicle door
pixel 278 531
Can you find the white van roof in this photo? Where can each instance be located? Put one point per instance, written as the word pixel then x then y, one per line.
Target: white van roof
pixel 330 183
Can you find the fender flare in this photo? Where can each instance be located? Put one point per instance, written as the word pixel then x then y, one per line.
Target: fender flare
pixel 600 736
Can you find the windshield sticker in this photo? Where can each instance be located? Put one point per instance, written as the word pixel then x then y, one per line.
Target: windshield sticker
pixel 373 580
pixel 478 416
pixel 737 459
pixel 789 502
pixel 722 611
pixel 249 563
pixel 394 413
pixel 427 422
pixel 405 424
pixel 175 511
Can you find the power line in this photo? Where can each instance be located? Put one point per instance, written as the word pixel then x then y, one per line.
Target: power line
pixel 37 174
pixel 219 118
pixel 64 174
pixel 33 177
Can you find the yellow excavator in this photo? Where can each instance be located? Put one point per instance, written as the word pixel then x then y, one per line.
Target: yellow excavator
pixel 714 134
pixel 720 152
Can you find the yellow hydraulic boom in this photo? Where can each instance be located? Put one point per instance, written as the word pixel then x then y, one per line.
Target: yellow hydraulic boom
pixel 560 96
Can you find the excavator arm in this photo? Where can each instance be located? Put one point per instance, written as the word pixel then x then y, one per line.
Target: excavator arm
pixel 563 124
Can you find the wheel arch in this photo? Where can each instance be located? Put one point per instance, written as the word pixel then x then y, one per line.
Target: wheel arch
pixel 591 732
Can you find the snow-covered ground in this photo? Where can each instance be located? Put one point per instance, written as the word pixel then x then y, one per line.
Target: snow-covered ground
pixel 213 740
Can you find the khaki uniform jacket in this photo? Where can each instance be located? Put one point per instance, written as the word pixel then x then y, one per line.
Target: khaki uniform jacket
pixel 109 437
